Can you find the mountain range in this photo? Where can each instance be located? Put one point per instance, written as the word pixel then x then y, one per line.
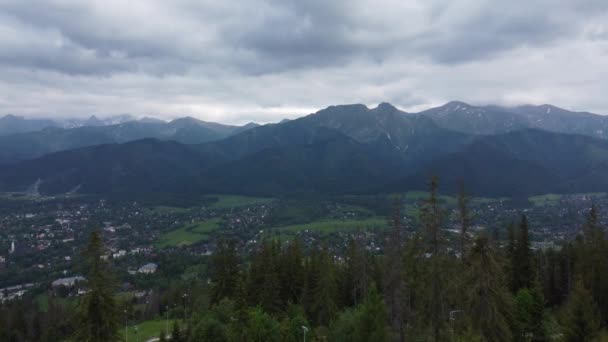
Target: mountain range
pixel 35 143
pixel 341 149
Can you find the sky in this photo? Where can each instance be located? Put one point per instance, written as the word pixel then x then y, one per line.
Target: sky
pixel 265 60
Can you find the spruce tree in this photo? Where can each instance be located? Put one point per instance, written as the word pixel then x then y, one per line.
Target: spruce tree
pixel 97 318
pixel 395 287
pixel 291 273
pixel 521 263
pixel 488 302
pixel 264 282
pixel 529 314
pixel 358 272
pixel 326 291
pixel 372 322
pixel 224 271
pixel 431 217
pixel 176 334
pixel 464 218
pixel 581 319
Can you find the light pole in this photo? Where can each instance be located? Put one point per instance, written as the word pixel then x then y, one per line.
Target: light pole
pixel 126 327
pixel 185 296
pixel 305 330
pixel 167 320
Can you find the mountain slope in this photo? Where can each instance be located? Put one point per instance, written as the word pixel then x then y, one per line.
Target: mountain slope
pixel 522 162
pixel 11 124
pixel 30 145
pixel 140 166
pixel 555 119
pixel 341 149
pixel 462 117
pixel 490 120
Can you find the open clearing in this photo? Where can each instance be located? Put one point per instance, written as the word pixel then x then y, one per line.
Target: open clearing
pixel 234 201
pixel 328 226
pixel 146 330
pixel 189 234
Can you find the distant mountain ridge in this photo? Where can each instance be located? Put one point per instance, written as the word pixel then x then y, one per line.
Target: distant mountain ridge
pixel 32 144
pixel 483 120
pixel 12 124
pixel 340 149
pixel 22 139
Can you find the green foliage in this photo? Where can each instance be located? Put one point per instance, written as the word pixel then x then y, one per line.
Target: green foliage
pixel 529 315
pixel 292 326
pixel 488 303
pixel 264 285
pixel 325 306
pixel 97 317
pixel 432 219
pixel 176 333
pixel 521 261
pixel 215 325
pixel 262 327
pixel 224 271
pixel 581 318
pixel 366 322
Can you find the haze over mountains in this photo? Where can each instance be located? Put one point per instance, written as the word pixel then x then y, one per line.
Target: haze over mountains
pixel 40 137
pixel 340 149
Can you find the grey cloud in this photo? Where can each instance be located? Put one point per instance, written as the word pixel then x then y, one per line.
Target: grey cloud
pixel 234 60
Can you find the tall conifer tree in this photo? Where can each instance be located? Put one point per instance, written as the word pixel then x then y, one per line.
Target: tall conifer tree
pixel 97 318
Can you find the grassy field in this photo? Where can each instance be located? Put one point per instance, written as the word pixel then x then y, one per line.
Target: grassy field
pixel 145 330
pixel 553 199
pixel 189 234
pixel 328 226
pixel 544 200
pixel 166 209
pixel 43 301
pixel 234 201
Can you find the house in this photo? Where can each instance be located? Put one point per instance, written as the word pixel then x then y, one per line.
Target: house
pixel 67 282
pixel 121 253
pixel 148 268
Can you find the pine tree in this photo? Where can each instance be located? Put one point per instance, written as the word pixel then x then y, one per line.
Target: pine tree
pixel 176 334
pixel 431 216
pixel 582 320
pixel 325 291
pixel 487 298
pixel 529 314
pixel 521 263
pixel 464 218
pixel 291 273
pixel 264 283
pixel 372 322
pixel 592 230
pixel 262 327
pixel 395 287
pixel 97 318
pixel 592 267
pixel 365 322
pixel 357 273
pixel 224 271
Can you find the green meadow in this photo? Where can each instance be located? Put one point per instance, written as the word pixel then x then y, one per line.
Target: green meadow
pixel 328 226
pixel 189 234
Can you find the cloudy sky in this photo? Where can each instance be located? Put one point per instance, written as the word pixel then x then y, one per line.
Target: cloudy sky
pixel 240 61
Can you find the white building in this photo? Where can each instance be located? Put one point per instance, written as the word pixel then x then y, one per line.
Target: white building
pixel 67 282
pixel 148 268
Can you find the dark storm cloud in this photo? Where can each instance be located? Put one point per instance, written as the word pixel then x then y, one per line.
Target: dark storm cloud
pixel 238 60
